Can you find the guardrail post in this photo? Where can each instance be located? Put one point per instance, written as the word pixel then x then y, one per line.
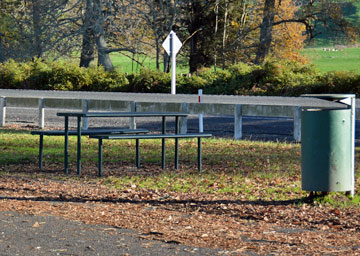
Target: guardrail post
pixel 183 120
pixel 132 122
pixel 41 113
pixel 3 111
pixel 238 122
pixel 297 124
pixel 85 108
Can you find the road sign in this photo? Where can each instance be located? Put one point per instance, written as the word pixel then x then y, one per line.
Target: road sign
pixel 176 43
pixel 172 45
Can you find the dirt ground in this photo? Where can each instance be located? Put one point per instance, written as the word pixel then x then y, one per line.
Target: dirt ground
pixel 190 224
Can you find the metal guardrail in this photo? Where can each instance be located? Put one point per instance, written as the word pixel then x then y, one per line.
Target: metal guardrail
pixel 237 110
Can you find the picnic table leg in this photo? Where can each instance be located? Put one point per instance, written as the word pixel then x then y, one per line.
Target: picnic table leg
pixel 78 145
pixel 66 170
pixel 137 153
pixel 176 143
pixel 199 154
pixel 163 143
pixel 100 158
pixel 41 145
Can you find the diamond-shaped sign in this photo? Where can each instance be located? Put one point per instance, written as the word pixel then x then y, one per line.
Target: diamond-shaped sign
pixel 176 43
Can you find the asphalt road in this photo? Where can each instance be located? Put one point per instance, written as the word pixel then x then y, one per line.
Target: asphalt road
pixel 49 235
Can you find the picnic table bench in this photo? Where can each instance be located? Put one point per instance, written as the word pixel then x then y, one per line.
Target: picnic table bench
pixel 95 131
pixel 137 137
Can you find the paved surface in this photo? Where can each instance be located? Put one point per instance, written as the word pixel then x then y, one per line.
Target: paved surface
pixel 48 235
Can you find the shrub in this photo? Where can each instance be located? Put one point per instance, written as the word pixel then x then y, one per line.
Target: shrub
pixel 13 74
pixel 149 81
pixel 281 78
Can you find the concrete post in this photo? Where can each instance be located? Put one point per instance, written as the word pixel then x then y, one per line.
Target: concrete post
pixel 132 122
pixel 297 124
pixel 41 113
pixel 2 111
pixel 238 122
pixel 85 108
pixel 183 120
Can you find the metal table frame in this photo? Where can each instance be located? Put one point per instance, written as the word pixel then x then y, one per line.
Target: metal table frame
pixel 80 115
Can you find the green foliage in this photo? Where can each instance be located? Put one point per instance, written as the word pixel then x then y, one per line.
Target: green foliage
pixel 149 81
pixel 274 77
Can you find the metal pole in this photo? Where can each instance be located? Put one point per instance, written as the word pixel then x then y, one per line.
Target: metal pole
pixel 201 117
pixel 78 145
pixel 173 64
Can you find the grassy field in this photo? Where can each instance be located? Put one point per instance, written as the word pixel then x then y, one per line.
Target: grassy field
pixel 246 169
pixel 325 61
pixel 125 64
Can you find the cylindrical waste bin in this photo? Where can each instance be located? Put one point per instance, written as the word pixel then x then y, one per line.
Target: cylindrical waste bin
pixel 326 138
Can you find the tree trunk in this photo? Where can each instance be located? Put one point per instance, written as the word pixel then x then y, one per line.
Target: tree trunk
pixel 103 55
pixel 88 40
pixel 36 16
pixel 2 58
pixel 157 54
pixel 266 31
pixel 99 31
pixel 224 33
pixel 194 60
pixel 87 50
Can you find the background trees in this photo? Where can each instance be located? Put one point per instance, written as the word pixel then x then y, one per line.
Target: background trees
pixel 215 33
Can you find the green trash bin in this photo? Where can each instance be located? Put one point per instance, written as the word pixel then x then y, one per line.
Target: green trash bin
pixel 326 139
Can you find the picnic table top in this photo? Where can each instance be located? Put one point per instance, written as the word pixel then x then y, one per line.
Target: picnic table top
pixel 122 114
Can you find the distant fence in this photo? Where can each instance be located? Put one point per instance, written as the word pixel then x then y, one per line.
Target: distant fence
pixel 237 110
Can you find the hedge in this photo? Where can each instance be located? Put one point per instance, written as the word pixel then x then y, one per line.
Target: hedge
pixel 275 78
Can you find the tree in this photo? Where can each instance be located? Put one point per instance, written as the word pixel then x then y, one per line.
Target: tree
pixel 36 27
pixel 197 22
pixel 266 31
pixel 312 14
pixel 159 16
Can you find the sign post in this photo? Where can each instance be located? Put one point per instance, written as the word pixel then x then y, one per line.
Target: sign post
pixel 172 45
pixel 201 118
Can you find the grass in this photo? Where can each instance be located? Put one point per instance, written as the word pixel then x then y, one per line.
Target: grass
pixel 125 64
pixel 325 61
pixel 248 170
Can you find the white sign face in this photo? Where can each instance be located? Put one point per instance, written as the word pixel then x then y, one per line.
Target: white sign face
pixel 176 43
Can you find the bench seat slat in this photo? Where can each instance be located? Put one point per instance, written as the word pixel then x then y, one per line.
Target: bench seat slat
pixel 89 132
pixel 151 136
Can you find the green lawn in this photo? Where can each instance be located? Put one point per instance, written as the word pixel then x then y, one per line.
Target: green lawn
pixel 127 65
pixel 248 169
pixel 346 60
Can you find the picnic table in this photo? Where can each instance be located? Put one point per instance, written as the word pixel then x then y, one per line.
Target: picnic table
pixel 80 115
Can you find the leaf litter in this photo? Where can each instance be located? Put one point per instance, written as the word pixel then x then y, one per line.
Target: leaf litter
pixel 227 221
